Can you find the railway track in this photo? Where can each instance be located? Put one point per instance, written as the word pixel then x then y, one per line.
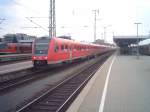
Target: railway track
pixel 20 77
pixel 6 59
pixel 60 97
pixel 14 79
pixel 13 62
pixel 16 74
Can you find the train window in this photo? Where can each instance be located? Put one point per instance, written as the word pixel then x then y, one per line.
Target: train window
pixel 62 47
pixel 83 47
pixel 41 48
pixel 80 48
pixel 56 48
pixel 87 48
pixel 66 47
pixel 75 47
pixel 70 48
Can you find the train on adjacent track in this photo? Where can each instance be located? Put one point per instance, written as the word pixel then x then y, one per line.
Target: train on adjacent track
pixel 58 50
pixel 16 43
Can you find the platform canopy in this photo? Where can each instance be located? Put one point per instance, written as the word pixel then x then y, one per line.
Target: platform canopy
pixel 124 41
pixel 144 42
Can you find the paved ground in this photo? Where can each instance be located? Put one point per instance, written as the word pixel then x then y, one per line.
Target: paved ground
pixel 15 67
pixel 14 55
pixel 127 89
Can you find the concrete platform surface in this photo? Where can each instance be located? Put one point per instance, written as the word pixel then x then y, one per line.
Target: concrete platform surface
pixel 124 87
pixel 14 55
pixel 15 67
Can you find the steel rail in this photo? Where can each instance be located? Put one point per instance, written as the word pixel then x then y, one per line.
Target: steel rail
pixel 57 99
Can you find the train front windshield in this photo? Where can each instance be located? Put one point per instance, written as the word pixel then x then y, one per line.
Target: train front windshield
pixel 41 46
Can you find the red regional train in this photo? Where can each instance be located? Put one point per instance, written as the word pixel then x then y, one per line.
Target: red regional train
pixel 57 50
pixel 16 43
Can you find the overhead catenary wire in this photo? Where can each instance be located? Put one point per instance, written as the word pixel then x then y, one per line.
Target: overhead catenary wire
pixel 37 24
pixel 30 27
pixel 2 20
pixel 39 17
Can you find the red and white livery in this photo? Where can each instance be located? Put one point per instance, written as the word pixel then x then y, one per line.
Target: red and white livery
pixel 57 50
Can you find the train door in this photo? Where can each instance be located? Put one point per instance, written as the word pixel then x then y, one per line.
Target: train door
pixel 70 53
pixel 56 52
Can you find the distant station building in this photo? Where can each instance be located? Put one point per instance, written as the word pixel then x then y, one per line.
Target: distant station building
pixel 127 43
pixel 99 41
pixel 0 39
pixel 18 38
pixel 102 42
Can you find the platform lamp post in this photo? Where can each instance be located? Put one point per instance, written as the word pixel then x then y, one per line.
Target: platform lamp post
pixel 138 39
pixel 95 22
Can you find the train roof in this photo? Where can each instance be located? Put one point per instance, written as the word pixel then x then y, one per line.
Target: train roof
pixel 66 40
pixel 144 42
pixel 78 42
pixel 65 37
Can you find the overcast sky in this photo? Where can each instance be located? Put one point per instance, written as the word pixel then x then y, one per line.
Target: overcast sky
pixel 73 15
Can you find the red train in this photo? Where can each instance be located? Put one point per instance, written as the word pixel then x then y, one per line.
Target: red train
pixel 16 43
pixel 58 50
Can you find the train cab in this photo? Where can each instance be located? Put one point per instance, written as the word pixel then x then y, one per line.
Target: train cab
pixel 40 51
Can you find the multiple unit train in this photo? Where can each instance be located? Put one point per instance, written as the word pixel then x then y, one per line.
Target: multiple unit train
pixel 57 50
pixel 16 43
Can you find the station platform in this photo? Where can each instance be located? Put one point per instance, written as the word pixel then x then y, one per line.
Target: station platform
pixel 15 67
pixel 120 85
pixel 14 57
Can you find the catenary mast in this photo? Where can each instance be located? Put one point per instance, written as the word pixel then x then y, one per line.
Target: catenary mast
pixel 52 19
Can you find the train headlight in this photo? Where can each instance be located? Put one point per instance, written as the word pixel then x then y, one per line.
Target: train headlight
pixel 45 57
pixel 34 57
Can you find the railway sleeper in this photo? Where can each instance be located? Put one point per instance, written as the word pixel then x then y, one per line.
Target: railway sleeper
pixel 60 98
pixel 63 95
pixel 54 101
pixel 70 86
pixel 48 103
pixel 44 108
pixel 51 101
pixel 65 92
pixel 68 89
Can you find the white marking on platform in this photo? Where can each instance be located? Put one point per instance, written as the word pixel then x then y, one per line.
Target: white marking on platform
pixel 101 108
